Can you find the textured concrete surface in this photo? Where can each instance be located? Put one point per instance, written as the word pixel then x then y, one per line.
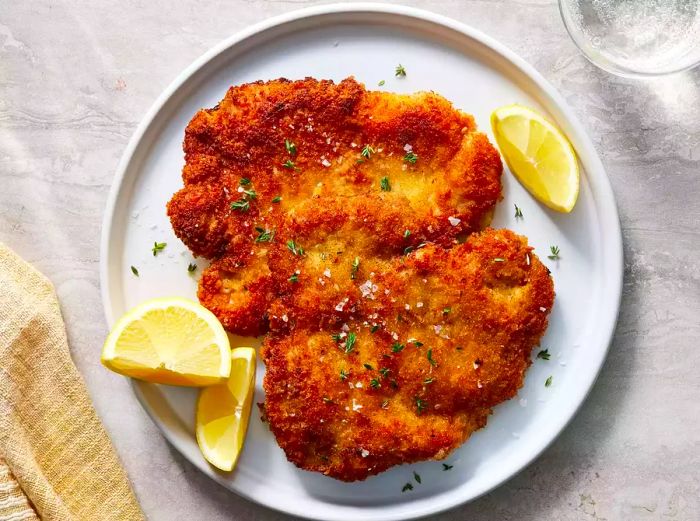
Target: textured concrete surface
pixel 75 79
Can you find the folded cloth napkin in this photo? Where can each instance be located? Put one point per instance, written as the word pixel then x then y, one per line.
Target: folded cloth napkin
pixel 56 460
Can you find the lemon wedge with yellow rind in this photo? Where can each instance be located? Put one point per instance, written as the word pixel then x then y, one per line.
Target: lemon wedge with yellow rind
pixel 538 154
pixel 223 411
pixel 171 341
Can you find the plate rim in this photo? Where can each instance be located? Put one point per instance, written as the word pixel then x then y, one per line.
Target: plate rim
pixel 603 196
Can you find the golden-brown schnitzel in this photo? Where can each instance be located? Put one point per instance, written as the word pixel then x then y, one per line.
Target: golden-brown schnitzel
pixel 269 149
pixel 404 365
pixel 334 218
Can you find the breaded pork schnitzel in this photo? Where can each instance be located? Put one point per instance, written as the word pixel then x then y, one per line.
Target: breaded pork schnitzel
pixel 273 150
pixel 406 364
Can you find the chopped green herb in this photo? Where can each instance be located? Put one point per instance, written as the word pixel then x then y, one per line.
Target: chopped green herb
pixel 382 82
pixel 411 158
pixel 350 343
pixel 264 235
pixel 548 381
pixel 408 249
pixel 242 205
pixel 337 337
pixel 374 329
pixel 191 267
pixel 384 184
pixel 406 487
pixel 355 267
pixel 384 371
pixel 400 70
pixel 294 278
pixel 251 194
pixel 291 147
pixel 368 367
pixel 327 400
pixel 445 467
pixel 134 271
pixel 499 259
pixel 374 383
pixel 245 181
pixel 430 358
pixel 384 404
pixel 406 234
pixel 367 151
pixel 428 380
pixel 158 247
pixel 289 164
pixel 416 476
pixel 446 310
pixel 295 248
pixel 417 343
pixel 343 374
pixel 277 199
pixel 555 253
pixel 420 405
pixel 518 212
pixel 544 354
pixel 396 347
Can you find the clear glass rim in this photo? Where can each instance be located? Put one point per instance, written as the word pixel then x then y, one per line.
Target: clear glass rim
pixel 611 66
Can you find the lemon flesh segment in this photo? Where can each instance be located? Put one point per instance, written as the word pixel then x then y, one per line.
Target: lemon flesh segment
pixel 538 154
pixel 170 341
pixel 223 411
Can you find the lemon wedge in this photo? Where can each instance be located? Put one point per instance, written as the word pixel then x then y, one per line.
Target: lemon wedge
pixel 538 154
pixel 169 341
pixel 223 411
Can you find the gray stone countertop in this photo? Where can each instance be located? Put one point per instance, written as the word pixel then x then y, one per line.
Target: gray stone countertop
pixel 76 78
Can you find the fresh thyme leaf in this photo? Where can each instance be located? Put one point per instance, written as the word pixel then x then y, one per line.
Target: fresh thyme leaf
pixel 343 374
pixel 400 70
pixel 245 181
pixel 367 151
pixel 251 194
pixel 416 476
pixel 384 371
pixel 289 164
pixel 355 267
pixel 411 158
pixel 428 380
pixel 406 234
pixel 554 253
pixel 430 358
pixel 548 381
pixel 374 329
pixel 499 259
pixel 337 337
pixel 544 354
pixel 382 82
pixel 291 147
pixel 417 343
pixel 294 278
pixel 374 383
pixel 350 342
pixel 134 271
pixel 408 250
pixel 295 248
pixel 396 347
pixel 242 205
pixel 277 199
pixel 420 405
pixel 158 247
pixel 445 467
pixel 406 487
pixel 518 212
pixel 327 400
pixel 264 235
pixel 446 310
pixel 368 367
pixel 191 267
pixel 384 184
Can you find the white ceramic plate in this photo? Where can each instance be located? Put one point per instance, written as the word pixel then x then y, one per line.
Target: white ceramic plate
pixel 477 74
